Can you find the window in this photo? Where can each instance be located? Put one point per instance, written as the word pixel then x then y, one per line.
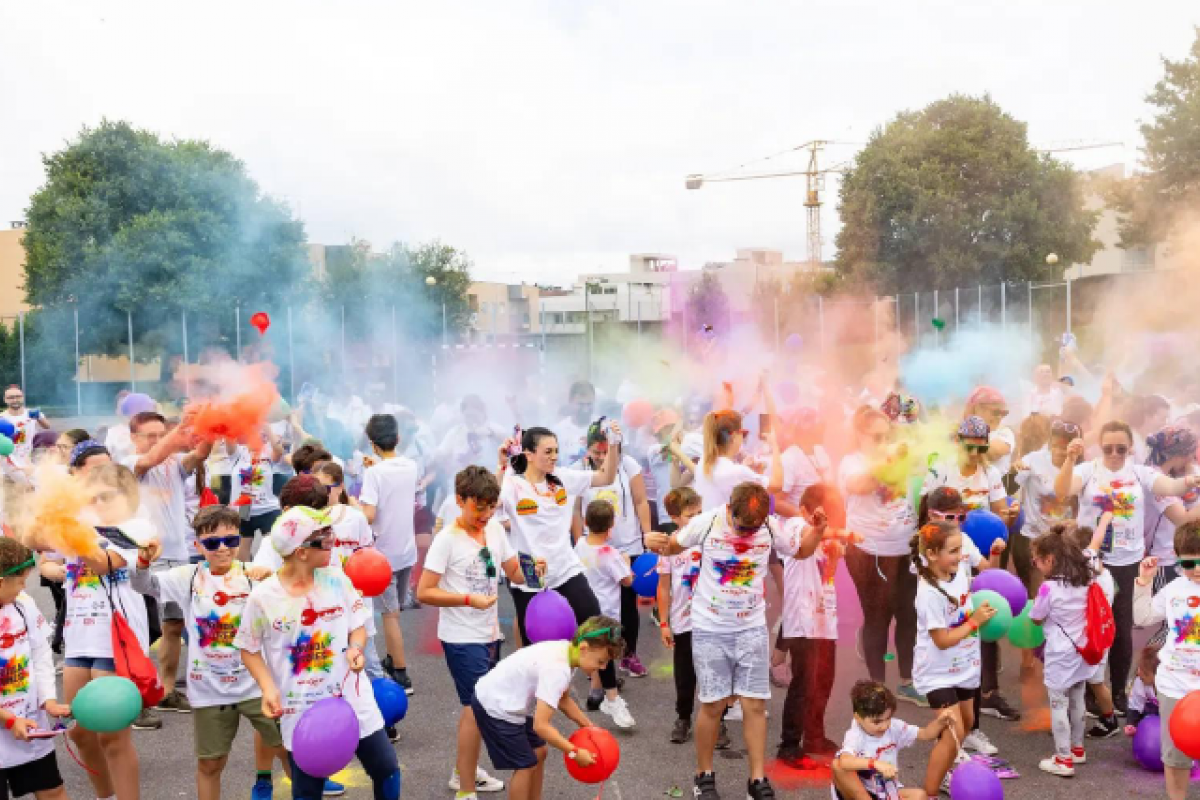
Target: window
pixel 610 290
pixel 1138 259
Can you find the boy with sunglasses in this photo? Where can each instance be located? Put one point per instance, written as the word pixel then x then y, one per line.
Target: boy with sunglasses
pixel 213 597
pixel 461 577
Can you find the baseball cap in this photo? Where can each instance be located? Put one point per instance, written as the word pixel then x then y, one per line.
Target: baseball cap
pixel 296 525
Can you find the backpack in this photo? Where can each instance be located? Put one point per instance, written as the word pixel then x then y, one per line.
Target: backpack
pixel 1099 627
pixel 131 661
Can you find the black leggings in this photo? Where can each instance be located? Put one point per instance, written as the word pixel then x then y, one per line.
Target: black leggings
pixel 631 619
pixel 892 595
pixel 378 759
pixel 582 601
pixel 1120 658
pixel 685 676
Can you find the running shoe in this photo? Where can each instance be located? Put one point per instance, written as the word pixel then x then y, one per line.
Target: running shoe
pixel 909 694
pixel 619 711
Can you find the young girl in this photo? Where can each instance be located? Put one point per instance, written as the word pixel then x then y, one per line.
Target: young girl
pixel 26 684
pixel 946 661
pixel 1089 542
pixel 1062 602
pixel 254 489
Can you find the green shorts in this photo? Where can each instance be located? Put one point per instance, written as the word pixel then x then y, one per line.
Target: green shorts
pixel 217 726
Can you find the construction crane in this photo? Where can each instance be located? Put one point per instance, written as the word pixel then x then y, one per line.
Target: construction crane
pixel 1072 146
pixel 815 180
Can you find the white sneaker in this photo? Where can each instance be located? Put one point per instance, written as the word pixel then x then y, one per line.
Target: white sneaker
pixel 1055 765
pixel 735 713
pixel 978 741
pixel 483 782
pixel 619 711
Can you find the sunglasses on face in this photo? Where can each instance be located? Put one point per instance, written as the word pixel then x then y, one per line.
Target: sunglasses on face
pixel 1189 563
pixel 1115 449
pixel 746 528
pixel 1064 428
pixel 214 543
pixel 948 516
pixel 976 448
pixel 323 540
pixel 489 566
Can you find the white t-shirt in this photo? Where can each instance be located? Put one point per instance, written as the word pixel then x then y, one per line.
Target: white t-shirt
pixel 801 470
pixel 26 429
pixel 254 475
pixel 884 517
pixel 1007 436
pixel 1042 507
pixel 163 504
pixel 1048 403
pixel 287 439
pixel 304 640
pixel 1124 493
pixel 119 442
pixel 456 556
pixel 716 489
pixel 1179 660
pixel 391 486
pixel 885 748
pixel 661 465
pixel 87 631
pixel 809 598
pixel 626 535
pixel 26 677
pixel 605 568
pixel 692 445
pixel 213 607
pixel 463 447
pixel 572 440
pixel 956 667
pixel 978 491
pixel 729 594
pixel 1161 530
pixel 449 511
pixel 540 520
pixel 511 691
pixel 684 570
pixel 1064 609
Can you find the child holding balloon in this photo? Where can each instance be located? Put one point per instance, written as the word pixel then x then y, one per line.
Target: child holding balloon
pixel 26 683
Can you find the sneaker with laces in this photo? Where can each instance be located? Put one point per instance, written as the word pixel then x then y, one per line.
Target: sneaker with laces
pixel 760 789
pixel 909 694
pixel 263 790
pixel 979 742
pixel 333 789
pixel 1105 727
pixel 593 701
pixel 681 731
pixel 704 787
pixel 633 665
pixel 795 758
pixel 483 782
pixel 735 713
pixel 723 741
pixel 1062 767
pixel 619 711
pixel 1078 755
pixel 174 702
pixel 147 721
pixel 392 734
pixel 994 705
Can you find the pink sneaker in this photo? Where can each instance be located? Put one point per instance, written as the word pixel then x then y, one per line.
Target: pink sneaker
pixel 632 665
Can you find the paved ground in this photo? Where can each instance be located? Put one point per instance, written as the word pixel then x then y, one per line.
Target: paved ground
pixel 650 764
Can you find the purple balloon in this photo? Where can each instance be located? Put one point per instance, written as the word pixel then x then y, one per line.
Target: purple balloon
pixel 973 781
pixel 548 617
pixel 1147 743
pixel 136 404
pixel 1006 585
pixel 326 737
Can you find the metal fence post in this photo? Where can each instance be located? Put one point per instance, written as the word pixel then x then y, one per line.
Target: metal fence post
pixel 956 309
pixel 132 363
pixel 1029 287
pixel 237 331
pixel 78 383
pixel 187 367
pixel 1003 306
pixel 21 327
pixel 979 309
pixel 1068 304
pixel 396 358
pixel 291 356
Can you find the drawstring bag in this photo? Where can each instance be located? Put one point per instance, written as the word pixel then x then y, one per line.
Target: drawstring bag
pixel 132 662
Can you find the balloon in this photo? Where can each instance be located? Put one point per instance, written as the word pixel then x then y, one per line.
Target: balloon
pixel 939 323
pixel 1185 725
pixel 788 392
pixel 261 321
pixel 794 341
pixel 391 699
pixel 973 781
pixel 984 528
pixel 645 575
pixel 1147 743
pixel 549 616
pixel 1023 633
pixel 137 403
pixel 107 705
pixel 601 744
pixel 638 413
pixel 7 428
pixel 1005 584
pixel 326 737
pixel 994 629
pixel 369 571
pixel 6 446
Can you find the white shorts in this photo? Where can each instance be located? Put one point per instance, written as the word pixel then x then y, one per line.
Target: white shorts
pixel 731 664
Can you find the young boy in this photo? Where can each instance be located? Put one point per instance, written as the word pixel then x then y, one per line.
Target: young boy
pixel 388 498
pixel 302 633
pixel 27 766
pixel 461 578
pixel 730 641
pixel 867 761
pixel 515 702
pixel 606 570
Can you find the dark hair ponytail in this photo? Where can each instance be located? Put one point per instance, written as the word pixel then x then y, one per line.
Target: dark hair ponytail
pixel 530 440
pixel 931 538
pixel 1071 566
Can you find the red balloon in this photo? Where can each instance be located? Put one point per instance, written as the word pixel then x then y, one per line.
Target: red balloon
pixel 601 744
pixel 261 321
pixel 369 571
pixel 638 413
pixel 1185 725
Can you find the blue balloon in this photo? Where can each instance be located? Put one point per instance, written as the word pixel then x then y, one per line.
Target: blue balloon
pixel 7 428
pixel 391 699
pixel 985 528
pixel 645 575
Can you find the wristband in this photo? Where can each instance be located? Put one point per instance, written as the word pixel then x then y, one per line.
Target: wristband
pixel 666 626
pixel 972 624
pixel 871 764
pixel 8 723
pixel 142 563
pixel 466 599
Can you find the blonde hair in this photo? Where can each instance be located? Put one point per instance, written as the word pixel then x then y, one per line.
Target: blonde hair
pixel 719 428
pixel 118 477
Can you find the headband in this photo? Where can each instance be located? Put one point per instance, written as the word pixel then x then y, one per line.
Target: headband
pixel 29 563
pixel 85 447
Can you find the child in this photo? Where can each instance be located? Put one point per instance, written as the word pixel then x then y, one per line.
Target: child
pixel 461 577
pixel 1106 725
pixel 213 597
pixel 607 571
pixel 302 633
pixel 1062 601
pixel 1176 676
pixel 253 489
pixel 946 659
pixel 1143 700
pixel 515 702
pixel 866 763
pixel 26 684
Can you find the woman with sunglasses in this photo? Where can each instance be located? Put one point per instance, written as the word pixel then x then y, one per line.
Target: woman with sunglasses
pixel 988 404
pixel 1115 484
pixel 1172 451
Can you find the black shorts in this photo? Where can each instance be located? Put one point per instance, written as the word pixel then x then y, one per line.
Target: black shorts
pixel 510 746
pixel 258 524
pixel 34 776
pixel 946 698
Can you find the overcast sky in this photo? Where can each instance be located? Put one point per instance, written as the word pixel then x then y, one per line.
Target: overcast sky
pixel 552 137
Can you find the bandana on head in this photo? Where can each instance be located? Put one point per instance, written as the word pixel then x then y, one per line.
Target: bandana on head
pixel 985 395
pixel 973 428
pixel 901 408
pixel 86 446
pixel 1171 442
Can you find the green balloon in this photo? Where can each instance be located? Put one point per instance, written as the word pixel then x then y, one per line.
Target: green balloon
pixel 6 445
pixel 1024 633
pixel 939 323
pixel 994 629
pixel 107 705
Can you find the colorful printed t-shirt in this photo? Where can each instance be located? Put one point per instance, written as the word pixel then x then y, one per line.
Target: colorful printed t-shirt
pixel 304 640
pixel 684 570
pixel 860 744
pixel 955 667
pixel 1179 660
pixel 26 427
pixel 87 629
pixel 540 520
pixel 26 677
pixel 1123 493
pixel 978 491
pixel 809 597
pixel 1160 530
pixel 1042 507
pixel 253 475
pixel 884 516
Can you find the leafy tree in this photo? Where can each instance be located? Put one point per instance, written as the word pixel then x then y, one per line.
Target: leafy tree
pixel 954 195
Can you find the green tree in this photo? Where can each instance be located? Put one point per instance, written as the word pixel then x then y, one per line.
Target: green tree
pixel 129 223
pixel 954 195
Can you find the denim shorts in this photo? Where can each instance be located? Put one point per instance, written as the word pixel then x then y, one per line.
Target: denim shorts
pixel 468 663
pixel 90 663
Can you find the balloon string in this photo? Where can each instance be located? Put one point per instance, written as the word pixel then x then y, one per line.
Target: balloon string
pixel 71 751
pixel 600 793
pixel 357 680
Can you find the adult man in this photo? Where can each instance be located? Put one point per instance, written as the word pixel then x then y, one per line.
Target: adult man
pixel 162 466
pixel 474 441
pixel 1046 397
pixel 27 421
pixel 572 430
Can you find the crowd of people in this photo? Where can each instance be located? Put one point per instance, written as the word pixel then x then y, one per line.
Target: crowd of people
pixel 239 553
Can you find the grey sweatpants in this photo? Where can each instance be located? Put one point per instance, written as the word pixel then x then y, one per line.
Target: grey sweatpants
pixel 1066 718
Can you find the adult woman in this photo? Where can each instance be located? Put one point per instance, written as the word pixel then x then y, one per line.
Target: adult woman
pixel 1114 483
pixel 805 461
pixel 1036 472
pixel 66 443
pixel 879 565
pixel 988 404
pixel 631 520
pixel 1171 451
pixel 717 473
